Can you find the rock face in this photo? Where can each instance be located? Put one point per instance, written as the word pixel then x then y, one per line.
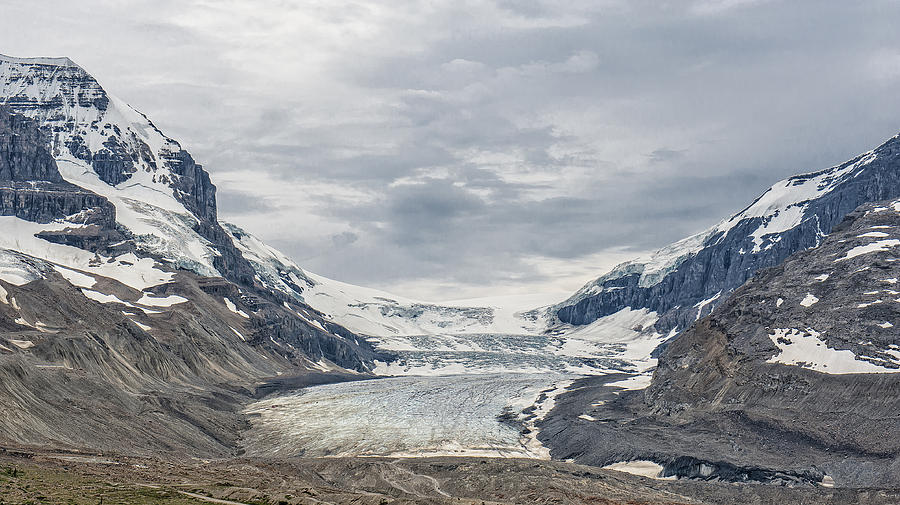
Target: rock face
pixel 42 203
pixel 797 374
pixel 686 280
pixel 31 187
pixel 23 151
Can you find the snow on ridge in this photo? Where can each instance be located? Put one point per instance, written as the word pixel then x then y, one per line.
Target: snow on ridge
pixel 781 207
pixel 377 313
pixel 56 62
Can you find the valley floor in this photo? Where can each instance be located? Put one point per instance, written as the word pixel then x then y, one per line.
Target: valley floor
pixel 80 479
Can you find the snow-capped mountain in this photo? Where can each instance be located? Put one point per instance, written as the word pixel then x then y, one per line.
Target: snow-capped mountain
pixel 122 299
pixel 686 280
pixel 794 378
pixel 117 278
pixel 164 199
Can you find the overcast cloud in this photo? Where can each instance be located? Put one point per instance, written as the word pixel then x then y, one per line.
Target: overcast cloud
pixel 449 149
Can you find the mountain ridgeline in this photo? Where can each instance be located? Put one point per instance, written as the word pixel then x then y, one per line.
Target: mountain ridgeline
pixel 686 280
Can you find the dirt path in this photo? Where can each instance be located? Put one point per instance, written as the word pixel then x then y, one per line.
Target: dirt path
pixel 211 500
pixel 412 480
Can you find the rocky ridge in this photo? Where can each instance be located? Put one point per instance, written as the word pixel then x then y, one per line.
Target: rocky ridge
pixel 686 280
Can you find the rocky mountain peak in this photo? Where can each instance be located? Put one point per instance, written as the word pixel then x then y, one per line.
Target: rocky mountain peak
pixel 86 124
pixel 104 145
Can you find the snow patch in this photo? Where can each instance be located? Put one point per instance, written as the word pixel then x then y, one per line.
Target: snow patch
pixel 21 344
pixel 239 334
pixel 641 468
pixel 805 349
pixel 76 279
pixel 634 383
pixel 102 298
pixel 808 300
pixel 878 246
pixel 19 235
pixel 700 306
pixel 139 325
pixel 165 301
pixel 232 307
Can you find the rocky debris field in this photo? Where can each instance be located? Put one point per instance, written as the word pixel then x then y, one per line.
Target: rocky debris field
pixel 82 479
pixel 792 380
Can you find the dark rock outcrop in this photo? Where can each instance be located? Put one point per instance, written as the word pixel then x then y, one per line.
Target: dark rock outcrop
pixel 23 151
pixel 31 187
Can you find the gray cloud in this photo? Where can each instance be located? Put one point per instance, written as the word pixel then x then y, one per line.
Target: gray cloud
pixel 454 148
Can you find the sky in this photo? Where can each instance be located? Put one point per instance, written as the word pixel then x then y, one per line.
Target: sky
pixel 464 148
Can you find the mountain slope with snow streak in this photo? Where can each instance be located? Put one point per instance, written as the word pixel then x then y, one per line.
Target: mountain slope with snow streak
pixel 685 281
pixel 116 199
pixel 794 377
